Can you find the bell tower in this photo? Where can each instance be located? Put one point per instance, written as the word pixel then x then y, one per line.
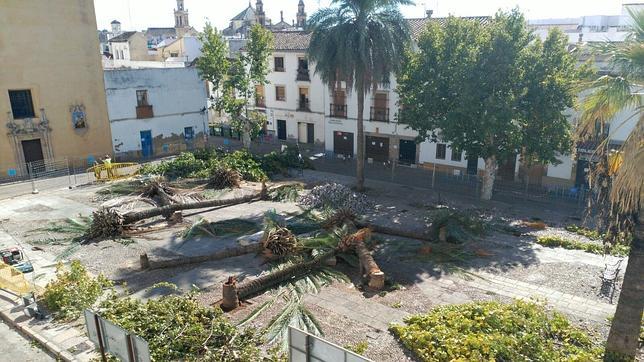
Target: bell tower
pixel 301 15
pixel 181 16
pixel 261 15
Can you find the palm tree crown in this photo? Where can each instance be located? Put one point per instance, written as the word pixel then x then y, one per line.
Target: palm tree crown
pixel 360 42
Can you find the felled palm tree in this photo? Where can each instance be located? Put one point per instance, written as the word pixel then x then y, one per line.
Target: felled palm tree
pixel 359 42
pixel 621 90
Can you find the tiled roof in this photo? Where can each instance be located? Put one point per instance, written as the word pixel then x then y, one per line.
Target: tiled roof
pixel 160 32
pixel 123 37
pixel 299 40
pixel 291 40
pixel 419 24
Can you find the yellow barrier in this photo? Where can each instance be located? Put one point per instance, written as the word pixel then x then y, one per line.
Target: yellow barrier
pixel 114 171
pixel 13 280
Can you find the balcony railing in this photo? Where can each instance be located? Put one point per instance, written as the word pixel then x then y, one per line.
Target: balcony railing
pixel 260 102
pixel 339 110
pixel 303 75
pixel 144 112
pixel 379 114
pixel 304 105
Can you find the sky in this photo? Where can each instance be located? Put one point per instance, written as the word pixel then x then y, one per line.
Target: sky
pixel 141 14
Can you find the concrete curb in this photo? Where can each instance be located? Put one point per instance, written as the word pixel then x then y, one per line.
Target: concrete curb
pixel 29 333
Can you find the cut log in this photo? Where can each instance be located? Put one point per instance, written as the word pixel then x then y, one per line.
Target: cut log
pixel 133 217
pixel 368 266
pixel 396 232
pixel 230 299
pixel 173 262
pixel 264 282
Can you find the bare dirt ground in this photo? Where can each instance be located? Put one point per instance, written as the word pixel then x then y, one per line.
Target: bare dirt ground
pixel 414 280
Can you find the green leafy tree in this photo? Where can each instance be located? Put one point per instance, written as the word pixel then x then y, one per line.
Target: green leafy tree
pixel 490 90
pixel 621 91
pixel 233 80
pixel 361 43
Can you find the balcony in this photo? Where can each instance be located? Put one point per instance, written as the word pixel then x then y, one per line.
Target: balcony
pixel 338 110
pixel 303 75
pixel 379 114
pixel 303 105
pixel 260 101
pixel 143 112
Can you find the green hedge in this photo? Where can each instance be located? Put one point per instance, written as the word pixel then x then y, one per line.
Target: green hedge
pixel 493 331
pixel 595 248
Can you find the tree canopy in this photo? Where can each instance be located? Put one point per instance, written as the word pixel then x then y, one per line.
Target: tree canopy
pixel 490 89
pixel 233 78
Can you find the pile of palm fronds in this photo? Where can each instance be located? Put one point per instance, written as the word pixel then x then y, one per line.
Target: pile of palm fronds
pixel 203 227
pixel 156 188
pixel 223 177
pixel 339 217
pixel 278 241
pixel 456 226
pixel 106 223
pixel 286 193
pixel 294 312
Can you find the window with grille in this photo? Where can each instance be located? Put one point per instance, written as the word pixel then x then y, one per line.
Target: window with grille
pixel 142 98
pixel 22 105
pixel 441 151
pixel 280 93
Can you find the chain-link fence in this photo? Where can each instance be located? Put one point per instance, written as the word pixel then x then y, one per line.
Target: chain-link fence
pixel 454 181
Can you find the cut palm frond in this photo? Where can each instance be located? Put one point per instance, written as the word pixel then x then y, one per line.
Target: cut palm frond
pixel 232 227
pixel 286 193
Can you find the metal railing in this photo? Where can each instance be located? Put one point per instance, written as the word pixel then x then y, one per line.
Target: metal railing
pixel 260 101
pixel 304 105
pixel 143 112
pixel 338 110
pixel 379 114
pixel 303 75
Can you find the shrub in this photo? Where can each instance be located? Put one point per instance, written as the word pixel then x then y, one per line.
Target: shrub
pixel 336 196
pixel 279 162
pixel 579 230
pixel 185 165
pixel 179 328
pixel 222 177
pixel 73 291
pixel 359 348
pixel 595 248
pixel 245 164
pixel 493 331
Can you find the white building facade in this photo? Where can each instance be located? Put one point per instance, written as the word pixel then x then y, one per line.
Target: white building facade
pixel 154 112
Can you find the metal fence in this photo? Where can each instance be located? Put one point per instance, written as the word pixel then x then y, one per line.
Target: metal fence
pixel 304 347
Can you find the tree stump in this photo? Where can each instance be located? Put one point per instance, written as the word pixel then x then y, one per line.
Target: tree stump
pixel 230 299
pixel 145 261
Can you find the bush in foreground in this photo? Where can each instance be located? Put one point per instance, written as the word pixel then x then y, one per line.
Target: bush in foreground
pixel 73 291
pixel 179 328
pixel 493 331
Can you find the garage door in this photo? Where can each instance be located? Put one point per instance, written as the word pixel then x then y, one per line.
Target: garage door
pixel 377 148
pixel 343 143
pixel 407 154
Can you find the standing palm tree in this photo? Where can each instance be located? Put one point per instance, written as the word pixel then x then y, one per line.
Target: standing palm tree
pixel 621 90
pixel 359 42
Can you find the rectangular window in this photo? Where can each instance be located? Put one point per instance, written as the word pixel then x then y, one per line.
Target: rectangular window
pixel 22 105
pixel 279 64
pixel 280 93
pixel 302 63
pixel 441 151
pixel 142 98
pixel 189 133
pixel 456 155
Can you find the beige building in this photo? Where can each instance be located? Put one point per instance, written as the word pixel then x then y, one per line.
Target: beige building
pixel 52 93
pixel 130 45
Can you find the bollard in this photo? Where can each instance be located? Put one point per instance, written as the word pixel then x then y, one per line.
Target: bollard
pixel 30 169
pixel 145 261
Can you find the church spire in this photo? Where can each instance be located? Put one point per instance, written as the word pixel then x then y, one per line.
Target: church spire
pixel 301 15
pixel 261 15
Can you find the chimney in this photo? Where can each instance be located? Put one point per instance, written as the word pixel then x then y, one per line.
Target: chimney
pixel 281 16
pixel 429 13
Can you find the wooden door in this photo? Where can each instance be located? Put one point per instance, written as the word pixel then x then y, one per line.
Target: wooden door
pixel 377 148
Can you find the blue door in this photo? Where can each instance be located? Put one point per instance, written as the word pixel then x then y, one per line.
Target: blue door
pixel 146 143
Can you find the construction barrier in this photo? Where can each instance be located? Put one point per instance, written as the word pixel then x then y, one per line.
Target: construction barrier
pixel 114 171
pixel 13 280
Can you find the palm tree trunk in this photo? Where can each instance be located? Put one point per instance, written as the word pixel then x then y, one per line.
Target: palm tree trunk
pixel 623 338
pixel 489 175
pixel 360 142
pixel 396 232
pixel 133 217
pixel 368 266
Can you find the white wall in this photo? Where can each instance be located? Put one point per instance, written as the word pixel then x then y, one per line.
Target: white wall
pixel 176 95
pixel 562 170
pixel 288 110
